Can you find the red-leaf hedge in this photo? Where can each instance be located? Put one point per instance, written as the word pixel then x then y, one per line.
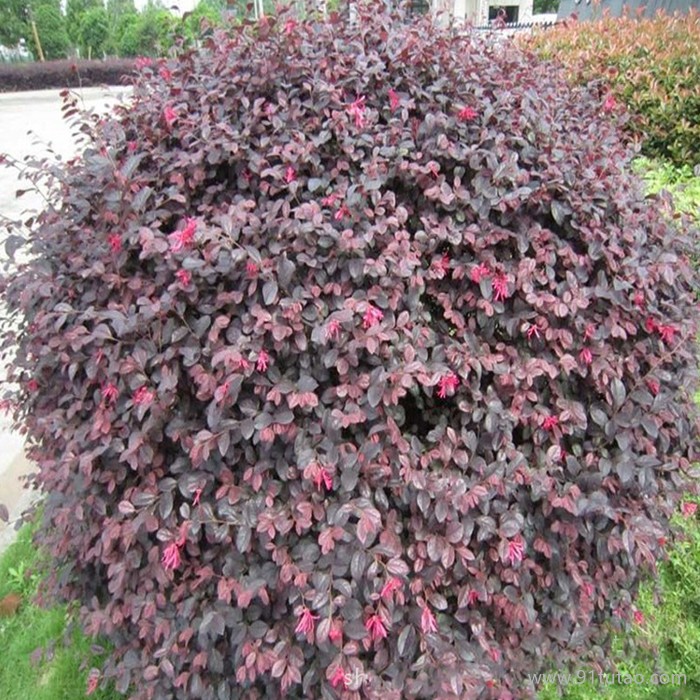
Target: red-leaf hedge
pixel 65 74
pixel 355 365
pixel 649 65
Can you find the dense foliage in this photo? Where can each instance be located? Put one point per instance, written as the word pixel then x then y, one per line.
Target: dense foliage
pixel 650 65
pixel 353 357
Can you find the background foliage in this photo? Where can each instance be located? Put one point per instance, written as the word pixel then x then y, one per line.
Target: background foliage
pixel 650 65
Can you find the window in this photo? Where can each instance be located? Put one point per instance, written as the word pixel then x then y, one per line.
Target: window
pixel 512 13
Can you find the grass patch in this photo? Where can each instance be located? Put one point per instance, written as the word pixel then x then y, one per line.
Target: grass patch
pixel 682 183
pixel 61 672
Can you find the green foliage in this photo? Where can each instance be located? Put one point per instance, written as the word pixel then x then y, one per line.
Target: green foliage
pixel 51 27
pixel 61 673
pixel 681 182
pixel 545 6
pixel 13 22
pixel 210 11
pixel 650 65
pixel 75 13
pixel 94 32
pixel 149 33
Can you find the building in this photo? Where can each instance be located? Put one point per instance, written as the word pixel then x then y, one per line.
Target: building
pixel 590 9
pixel 481 12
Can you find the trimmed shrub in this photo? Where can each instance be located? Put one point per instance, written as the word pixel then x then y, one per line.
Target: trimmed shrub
pixel 65 74
pixel 650 65
pixel 354 364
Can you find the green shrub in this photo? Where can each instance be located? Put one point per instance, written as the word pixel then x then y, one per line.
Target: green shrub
pixel 650 65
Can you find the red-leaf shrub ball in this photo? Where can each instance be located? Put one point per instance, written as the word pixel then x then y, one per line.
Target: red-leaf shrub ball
pixel 335 355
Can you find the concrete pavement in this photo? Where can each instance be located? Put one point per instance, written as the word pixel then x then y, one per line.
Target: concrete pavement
pixel 31 124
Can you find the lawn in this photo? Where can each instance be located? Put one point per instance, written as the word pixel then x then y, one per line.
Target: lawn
pixel 37 664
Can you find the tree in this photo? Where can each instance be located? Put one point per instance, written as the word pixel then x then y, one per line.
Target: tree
pixel 120 14
pixel 51 28
pixel 75 9
pixel 94 32
pixel 14 24
pixel 150 33
pixel 545 6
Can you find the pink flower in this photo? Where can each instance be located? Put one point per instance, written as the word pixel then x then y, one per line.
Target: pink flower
pixel 143 396
pixel 242 364
pixel 179 240
pixel 197 496
pixel 610 103
pixel 165 74
pixel 357 111
pixel 289 26
pixel 639 299
pixel 222 392
pixel 688 508
pixel 372 316
pixel 333 329
pixel 472 598
pixel 515 551
pixel 251 268
pixel 171 556
pixel 170 115
pixel 131 146
pixel 329 200
pixel 338 678
pixel 427 621
pixel 667 333
pixel 341 213
pixel 307 622
pixel 442 265
pixel 290 174
pixel 323 479
pixel 500 287
pixel 375 627
pixel 394 101
pixel 585 356
pixel 467 114
pixel 550 422
pixel 93 681
pixel 262 362
pixel 32 385
pixel 589 332
pixel 533 330
pixel 143 62
pixel 650 324
pixel 638 617
pixel 479 272
pixel 115 242
pixel 336 632
pixel 447 385
pixel 110 393
pixel 184 277
pixel 653 386
pixel 393 584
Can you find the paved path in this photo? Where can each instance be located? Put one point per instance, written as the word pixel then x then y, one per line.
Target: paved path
pixel 38 112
